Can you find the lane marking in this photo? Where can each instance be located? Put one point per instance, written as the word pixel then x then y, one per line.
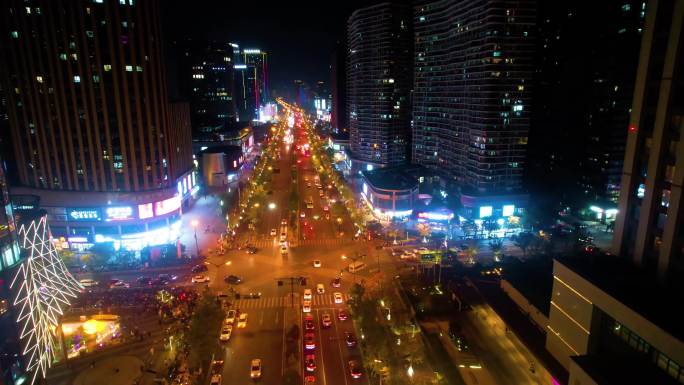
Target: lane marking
pixel 337 335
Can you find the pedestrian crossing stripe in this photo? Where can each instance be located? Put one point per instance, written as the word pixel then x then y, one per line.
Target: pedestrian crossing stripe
pixel 275 302
pixel 270 242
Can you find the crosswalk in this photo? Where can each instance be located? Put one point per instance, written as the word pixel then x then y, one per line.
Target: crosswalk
pixel 275 302
pixel 270 242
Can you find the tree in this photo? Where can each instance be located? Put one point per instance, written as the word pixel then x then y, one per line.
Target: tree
pixel 523 241
pixel 203 334
pixel 468 228
pixel 68 257
pixel 490 225
pixel 496 245
pixel 99 254
pixel 423 229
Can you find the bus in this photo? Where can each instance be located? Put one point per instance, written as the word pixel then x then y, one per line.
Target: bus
pixel 283 233
pixel 309 203
pixel 356 266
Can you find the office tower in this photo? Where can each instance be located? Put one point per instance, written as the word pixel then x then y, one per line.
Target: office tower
pixel 211 102
pixel 586 65
pixel 471 103
pixel 614 318
pixel 650 223
pixel 251 82
pixel 379 77
pixel 339 117
pixel 90 120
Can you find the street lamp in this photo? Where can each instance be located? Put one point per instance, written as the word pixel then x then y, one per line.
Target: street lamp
pixel 194 224
pixel 409 371
pixel 271 206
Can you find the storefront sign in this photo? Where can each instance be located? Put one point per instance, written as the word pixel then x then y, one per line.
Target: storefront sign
pixel 166 206
pixel 119 213
pixel 145 211
pixel 81 214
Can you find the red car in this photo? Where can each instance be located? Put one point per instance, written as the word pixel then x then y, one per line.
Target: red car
pixel 309 324
pixel 309 342
pixel 350 339
pixel 336 282
pixel 342 315
pixel 310 361
pixel 354 369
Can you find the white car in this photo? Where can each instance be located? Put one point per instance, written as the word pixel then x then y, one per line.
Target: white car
pixel 226 332
pixel 255 368
pixel 242 320
pixel 200 279
pixel 230 317
pixel 306 307
pixel 119 285
pixel 317 263
pixel 88 282
pixel 338 297
pixel 320 288
pixel 273 232
pixel 283 249
pixel 215 379
pixel 307 294
pixel 283 222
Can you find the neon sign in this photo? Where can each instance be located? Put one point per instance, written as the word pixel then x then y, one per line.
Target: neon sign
pixel 166 206
pixel 90 214
pixel 145 211
pixel 119 213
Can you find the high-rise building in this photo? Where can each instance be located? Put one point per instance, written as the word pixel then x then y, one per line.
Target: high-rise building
pixel 379 80
pixel 614 318
pixel 90 119
pixel 584 82
pixel 650 222
pixel 251 74
pixel 472 89
pixel 211 103
pixel 339 118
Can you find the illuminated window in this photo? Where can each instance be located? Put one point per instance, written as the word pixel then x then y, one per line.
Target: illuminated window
pixel 96 79
pixel 62 56
pixel 77 79
pixel 138 68
pixel 626 7
pixel 39 79
pixel 129 68
pixel 107 67
pixel 15 34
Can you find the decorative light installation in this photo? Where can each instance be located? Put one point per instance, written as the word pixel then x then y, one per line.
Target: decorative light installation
pixel 45 286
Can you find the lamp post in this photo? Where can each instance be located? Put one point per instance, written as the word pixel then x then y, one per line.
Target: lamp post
pixel 194 224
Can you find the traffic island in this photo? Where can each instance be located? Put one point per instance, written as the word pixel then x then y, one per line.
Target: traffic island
pixel 292 339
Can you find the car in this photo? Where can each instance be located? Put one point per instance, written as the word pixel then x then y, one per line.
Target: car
pixel 317 263
pixel 307 294
pixel 274 232
pixel 342 315
pixel 251 250
pixel 416 251
pixel 233 279
pixel 230 317
pixel 408 255
pixel 255 368
pixel 308 185
pixel 226 332
pixel 326 320
pixel 88 282
pixel 320 193
pixel 302 214
pixel 200 278
pixel 144 281
pixel 320 289
pixel 283 222
pixel 159 282
pixel 350 339
pixel 168 277
pixel 310 380
pixel 306 307
pixel 354 369
pixel 309 324
pixel 199 269
pixel 396 253
pixel 283 249
pixel 119 284
pixel 310 362
pixel 338 297
pixel 242 321
pixel 337 282
pixel 215 379
pixel 309 342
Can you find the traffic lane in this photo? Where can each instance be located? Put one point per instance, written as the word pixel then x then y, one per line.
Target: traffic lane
pixel 348 353
pixel 262 338
pixel 332 354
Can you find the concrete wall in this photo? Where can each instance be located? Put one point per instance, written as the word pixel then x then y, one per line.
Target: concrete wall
pixel 526 306
pixel 578 376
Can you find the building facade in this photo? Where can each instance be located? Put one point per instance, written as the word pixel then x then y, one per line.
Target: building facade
pixel 379 81
pixel 613 318
pixel 472 87
pixel 93 133
pixel 252 82
pixel 339 118
pixel 650 222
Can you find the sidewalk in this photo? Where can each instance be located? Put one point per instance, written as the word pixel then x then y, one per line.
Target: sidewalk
pixel 528 333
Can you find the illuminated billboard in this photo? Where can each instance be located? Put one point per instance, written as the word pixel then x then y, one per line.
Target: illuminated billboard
pixel 508 210
pixel 119 213
pixel 145 211
pixel 485 211
pixel 84 214
pixel 167 205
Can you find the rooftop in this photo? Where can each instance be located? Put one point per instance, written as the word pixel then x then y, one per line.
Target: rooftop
pixel 533 278
pixel 621 369
pixel 636 287
pixel 390 178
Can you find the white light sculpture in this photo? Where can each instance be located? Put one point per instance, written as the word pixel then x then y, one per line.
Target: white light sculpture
pixel 45 286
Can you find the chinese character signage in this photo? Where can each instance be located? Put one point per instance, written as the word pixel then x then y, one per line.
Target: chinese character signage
pixel 84 214
pixel 119 213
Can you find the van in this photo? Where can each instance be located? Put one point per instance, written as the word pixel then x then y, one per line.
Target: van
pixel 356 266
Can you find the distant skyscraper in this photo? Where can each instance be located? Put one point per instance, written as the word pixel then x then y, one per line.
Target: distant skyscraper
pixel 650 222
pixel 471 103
pixel 339 116
pixel 212 104
pixel 251 82
pixel 379 79
pixel 90 120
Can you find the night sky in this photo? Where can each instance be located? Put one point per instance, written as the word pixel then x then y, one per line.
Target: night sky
pixel 298 36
